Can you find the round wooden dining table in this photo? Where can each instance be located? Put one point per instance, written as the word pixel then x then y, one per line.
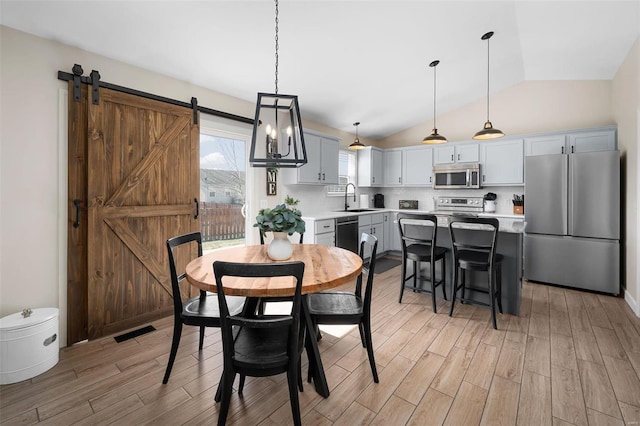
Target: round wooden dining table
pixel 325 268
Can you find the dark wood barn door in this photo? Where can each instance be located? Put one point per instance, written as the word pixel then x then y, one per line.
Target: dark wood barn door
pixel 142 173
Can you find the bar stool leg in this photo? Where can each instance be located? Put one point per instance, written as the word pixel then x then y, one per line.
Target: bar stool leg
pixel 499 282
pixel 432 265
pixel 491 298
pixel 464 284
pixel 403 279
pixel 454 289
pixel 444 277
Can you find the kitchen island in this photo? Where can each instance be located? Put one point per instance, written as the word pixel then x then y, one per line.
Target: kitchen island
pixel 509 245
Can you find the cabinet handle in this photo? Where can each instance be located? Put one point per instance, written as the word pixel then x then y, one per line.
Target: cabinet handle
pixel 323 177
pixel 572 149
pixel 327 226
pixel 451 157
pixel 484 177
pixel 458 157
pixel 195 200
pixel 399 180
pixel 318 175
pixel 385 218
pixel 562 150
pixel 373 179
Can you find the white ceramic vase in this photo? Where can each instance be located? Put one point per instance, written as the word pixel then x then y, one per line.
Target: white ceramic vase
pixel 280 248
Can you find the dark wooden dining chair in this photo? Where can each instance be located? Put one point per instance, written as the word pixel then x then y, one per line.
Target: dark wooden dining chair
pixel 263 302
pixel 339 307
pixel 419 244
pixel 264 345
pixel 474 243
pixel 202 310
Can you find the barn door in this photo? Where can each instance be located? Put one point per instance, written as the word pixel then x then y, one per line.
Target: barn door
pixel 142 186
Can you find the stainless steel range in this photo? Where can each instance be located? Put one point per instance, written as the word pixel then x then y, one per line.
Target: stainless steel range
pixel 459 204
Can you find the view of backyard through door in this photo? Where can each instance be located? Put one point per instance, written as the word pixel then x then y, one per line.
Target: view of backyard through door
pixel 222 189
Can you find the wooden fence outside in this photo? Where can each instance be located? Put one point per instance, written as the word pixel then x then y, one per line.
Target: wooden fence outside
pixel 221 221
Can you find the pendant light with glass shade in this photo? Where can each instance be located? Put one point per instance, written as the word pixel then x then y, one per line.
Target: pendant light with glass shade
pixel 355 145
pixel 488 131
pixel 434 137
pixel 279 116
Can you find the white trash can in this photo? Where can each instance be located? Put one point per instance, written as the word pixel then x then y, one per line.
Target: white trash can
pixel 28 345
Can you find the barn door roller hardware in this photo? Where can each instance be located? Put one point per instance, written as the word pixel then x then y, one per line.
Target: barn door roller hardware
pixel 94 81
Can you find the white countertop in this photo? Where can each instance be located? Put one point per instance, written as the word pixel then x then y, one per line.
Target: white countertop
pixel 513 223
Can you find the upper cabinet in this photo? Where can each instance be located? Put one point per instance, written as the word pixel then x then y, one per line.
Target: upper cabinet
pixel 322 162
pixel 392 160
pixel 569 143
pixel 370 167
pixel 502 162
pixel 417 166
pixel 452 154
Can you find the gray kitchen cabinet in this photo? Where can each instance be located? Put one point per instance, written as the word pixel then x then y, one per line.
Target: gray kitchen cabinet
pixel 370 171
pixel 502 162
pixel 417 166
pixel 392 167
pixel 322 162
pixel 589 140
pixel 545 145
pixel 324 231
pixel 372 224
pixel 387 219
pixel 453 154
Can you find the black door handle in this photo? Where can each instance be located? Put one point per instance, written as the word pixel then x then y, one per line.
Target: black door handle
pixel 195 200
pixel 76 203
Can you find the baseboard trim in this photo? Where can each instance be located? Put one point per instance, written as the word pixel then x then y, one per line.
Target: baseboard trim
pixel 633 304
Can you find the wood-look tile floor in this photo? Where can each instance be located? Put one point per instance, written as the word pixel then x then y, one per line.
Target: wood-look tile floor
pixel 571 357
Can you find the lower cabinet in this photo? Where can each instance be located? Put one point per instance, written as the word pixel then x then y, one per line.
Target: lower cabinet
pixel 324 231
pixel 373 224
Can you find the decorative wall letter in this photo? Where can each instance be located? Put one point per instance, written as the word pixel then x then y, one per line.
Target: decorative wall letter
pixel 272 181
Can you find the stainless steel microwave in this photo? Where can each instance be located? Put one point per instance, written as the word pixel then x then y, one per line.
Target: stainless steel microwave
pixel 456 176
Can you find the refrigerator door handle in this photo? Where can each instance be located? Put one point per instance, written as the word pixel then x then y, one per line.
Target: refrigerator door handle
pixel 468 177
pixel 567 206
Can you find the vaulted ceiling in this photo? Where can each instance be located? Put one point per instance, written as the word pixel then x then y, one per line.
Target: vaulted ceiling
pixel 348 61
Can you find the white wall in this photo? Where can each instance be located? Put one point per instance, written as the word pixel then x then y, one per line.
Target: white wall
pixel 626 104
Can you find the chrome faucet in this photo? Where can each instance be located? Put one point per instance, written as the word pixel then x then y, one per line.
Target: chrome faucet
pixel 346 189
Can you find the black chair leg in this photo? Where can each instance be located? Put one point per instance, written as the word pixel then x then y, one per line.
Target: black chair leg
pixel 499 284
pixel 432 265
pixel 362 338
pixel 227 385
pixel 464 284
pixel 218 396
pixel 293 394
pixel 454 290
pixel 201 343
pixel 177 332
pixel 403 279
pixel 241 384
pixel 372 361
pixel 492 302
pixel 444 278
pixel 416 271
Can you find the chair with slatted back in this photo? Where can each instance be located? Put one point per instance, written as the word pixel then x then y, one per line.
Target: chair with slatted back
pixel 339 307
pixel 260 346
pixel 262 302
pixel 474 242
pixel 201 311
pixel 418 234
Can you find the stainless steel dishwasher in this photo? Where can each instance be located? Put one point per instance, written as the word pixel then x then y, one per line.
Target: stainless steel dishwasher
pixel 347 233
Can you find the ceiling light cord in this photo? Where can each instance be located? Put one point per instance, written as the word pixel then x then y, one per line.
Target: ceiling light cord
pixel 434 97
pixel 488 78
pixel 277 46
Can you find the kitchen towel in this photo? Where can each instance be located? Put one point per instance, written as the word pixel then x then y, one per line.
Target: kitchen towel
pixel 364 201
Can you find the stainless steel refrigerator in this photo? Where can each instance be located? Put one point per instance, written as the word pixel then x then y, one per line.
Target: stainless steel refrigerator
pixel 572 216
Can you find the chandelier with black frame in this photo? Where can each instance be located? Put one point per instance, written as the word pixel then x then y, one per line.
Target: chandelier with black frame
pixel 277 127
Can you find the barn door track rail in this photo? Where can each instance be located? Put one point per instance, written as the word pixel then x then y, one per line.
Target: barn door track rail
pixel 94 81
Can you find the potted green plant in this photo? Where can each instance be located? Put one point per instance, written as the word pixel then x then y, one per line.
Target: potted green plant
pixel 283 219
